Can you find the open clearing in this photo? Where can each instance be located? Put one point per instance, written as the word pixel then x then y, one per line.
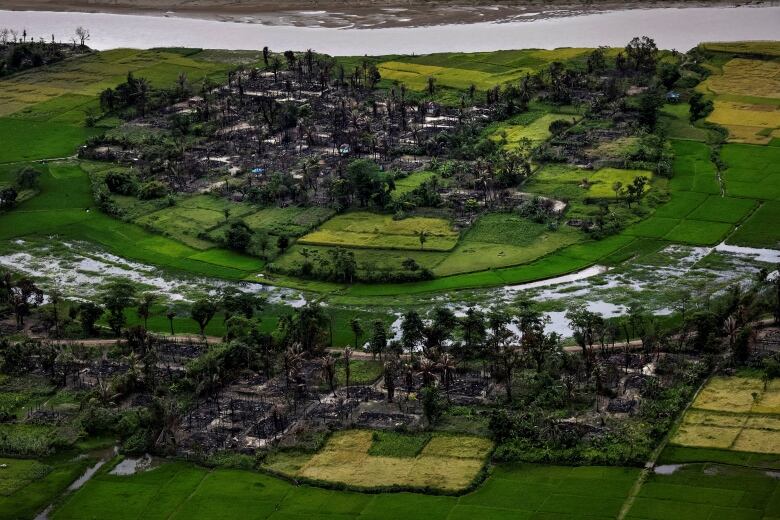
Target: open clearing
pixel 371 230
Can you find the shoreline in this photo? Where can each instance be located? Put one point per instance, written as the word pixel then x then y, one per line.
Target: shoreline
pixel 362 14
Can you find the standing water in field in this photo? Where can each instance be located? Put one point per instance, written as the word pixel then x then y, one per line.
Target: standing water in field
pixel 672 28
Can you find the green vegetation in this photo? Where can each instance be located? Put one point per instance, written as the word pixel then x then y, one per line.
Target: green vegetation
pixel 28 486
pixel 361 229
pixel 760 229
pixel 179 490
pixel 708 491
pixel 394 444
pixel 72 215
pixel 752 171
pixel 43 111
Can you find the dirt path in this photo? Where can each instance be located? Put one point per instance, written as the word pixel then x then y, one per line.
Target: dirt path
pixel 651 462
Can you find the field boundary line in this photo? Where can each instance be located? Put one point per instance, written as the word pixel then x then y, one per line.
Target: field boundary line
pixel 650 464
pixel 187 499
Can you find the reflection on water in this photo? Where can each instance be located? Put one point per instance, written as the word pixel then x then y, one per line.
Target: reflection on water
pixel 679 28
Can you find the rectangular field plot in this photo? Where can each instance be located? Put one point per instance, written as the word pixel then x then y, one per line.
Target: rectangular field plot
pixel 730 413
pixel 728 394
pixel 290 221
pixel 708 491
pixel 500 240
pixel 723 209
pixel 442 463
pixel 698 232
pixel 752 171
pixel 653 227
pixel 693 170
pixel 681 204
pixel 530 491
pixel 362 229
pixel 761 228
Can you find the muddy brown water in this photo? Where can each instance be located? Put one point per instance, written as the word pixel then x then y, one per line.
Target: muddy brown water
pixel 679 28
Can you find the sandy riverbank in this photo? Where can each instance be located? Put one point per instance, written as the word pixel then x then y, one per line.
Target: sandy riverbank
pixel 359 13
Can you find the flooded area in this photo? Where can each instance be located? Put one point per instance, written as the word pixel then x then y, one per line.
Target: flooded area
pixel 132 465
pixel 79 270
pixel 657 284
pixel 667 469
pixel 678 28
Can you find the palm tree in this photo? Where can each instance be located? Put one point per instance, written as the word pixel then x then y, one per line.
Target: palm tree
pixel 329 371
pixel 447 366
pixel 170 314
pixel 347 370
pixel 357 330
pixel 427 371
pixel 388 373
pixel 422 235
pixel 144 309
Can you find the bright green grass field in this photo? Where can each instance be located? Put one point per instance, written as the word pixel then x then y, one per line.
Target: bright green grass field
pixel 502 239
pixel 410 182
pixel 65 208
pixel 681 204
pixel 371 230
pixel 699 232
pixel 24 492
pixel 708 491
pixel 693 170
pixel 653 227
pixel 179 490
pixel 723 209
pixel 484 70
pixel 753 171
pixel 761 229
pixel 24 140
pixel 602 180
pixel 536 131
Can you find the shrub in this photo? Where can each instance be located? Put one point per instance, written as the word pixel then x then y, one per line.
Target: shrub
pixel 152 190
pixel 27 178
pixel 121 182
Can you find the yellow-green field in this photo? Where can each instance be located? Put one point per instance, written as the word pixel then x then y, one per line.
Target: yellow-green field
pixel 371 230
pixel 536 131
pixel 747 99
pixel 482 69
pixel 446 462
pixel 734 413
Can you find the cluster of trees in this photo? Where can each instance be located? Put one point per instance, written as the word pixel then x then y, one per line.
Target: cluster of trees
pixel 19 51
pixel 25 178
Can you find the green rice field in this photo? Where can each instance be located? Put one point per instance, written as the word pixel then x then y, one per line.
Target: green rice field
pixel 180 490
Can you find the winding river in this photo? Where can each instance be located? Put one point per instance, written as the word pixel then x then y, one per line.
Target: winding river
pixel 672 28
